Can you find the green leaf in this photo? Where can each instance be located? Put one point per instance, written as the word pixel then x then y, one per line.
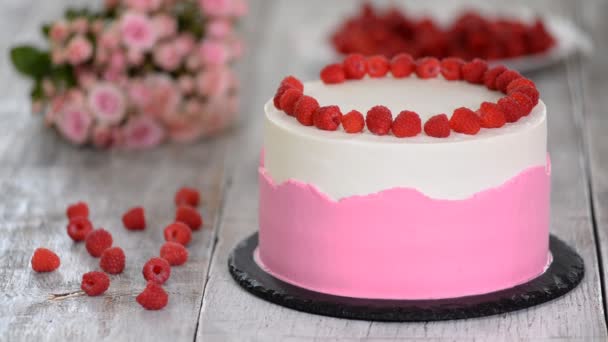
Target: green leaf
pixel 31 61
pixel 64 75
pixel 46 29
pixel 37 92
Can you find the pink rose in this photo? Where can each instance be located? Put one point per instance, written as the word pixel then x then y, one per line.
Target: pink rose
pixel 37 106
pixel 142 132
pixel 137 31
pixel 118 61
pixel 80 25
pixel 57 56
pixel 167 57
pixel 213 82
pixel 79 50
pixel 240 8
pixel 219 28
pixel 59 32
pixel 109 39
pixel 143 5
pixel 185 129
pixel 85 77
pixel 216 8
pixel 102 137
pixel 184 44
pixel 107 103
pixel 110 4
pixel 139 93
pixel 97 26
pixel 101 56
pixel 48 88
pixel 193 62
pixel 74 124
pixel 135 57
pixel 157 96
pixel 213 52
pixel 186 84
pixel 165 26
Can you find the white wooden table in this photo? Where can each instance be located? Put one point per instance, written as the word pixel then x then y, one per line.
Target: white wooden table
pixel 39 174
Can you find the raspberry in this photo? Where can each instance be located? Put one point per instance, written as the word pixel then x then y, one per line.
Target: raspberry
pixel 288 100
pixel 427 67
pixel 79 227
pixel 157 270
pixel 377 66
pixel 77 209
pixel 402 65
pixel 134 219
pixel 112 260
pixel 437 126
pixel 294 82
pixel 355 66
pixel 187 196
pixel 532 93
pixel 520 82
pixel 45 260
pixel 189 216
pixel 332 74
pixel 327 118
pixel 489 77
pixel 353 122
pixel 304 109
pixel 491 116
pixel 464 121
pixel 178 232
pixel 510 108
pixel 407 124
pixel 98 241
pixel 277 96
pixel 474 70
pixel 95 283
pixel 451 68
pixel 524 101
pixel 153 297
pixel 379 120
pixel 174 253
pixel 503 80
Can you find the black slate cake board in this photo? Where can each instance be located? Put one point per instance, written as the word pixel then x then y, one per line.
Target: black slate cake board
pixel 564 274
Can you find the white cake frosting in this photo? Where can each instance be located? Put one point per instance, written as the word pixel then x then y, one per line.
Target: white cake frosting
pixel 342 165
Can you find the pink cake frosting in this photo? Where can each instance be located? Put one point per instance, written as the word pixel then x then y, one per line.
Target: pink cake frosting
pixel 401 244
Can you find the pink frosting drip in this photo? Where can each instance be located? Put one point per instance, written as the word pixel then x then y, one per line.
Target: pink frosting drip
pixel 401 244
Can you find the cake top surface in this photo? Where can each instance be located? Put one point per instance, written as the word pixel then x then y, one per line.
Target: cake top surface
pixel 427 97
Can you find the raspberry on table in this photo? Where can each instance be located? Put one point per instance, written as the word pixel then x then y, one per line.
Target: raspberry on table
pixel 489 77
pixel 353 122
pixel 187 196
pixel 512 110
pixel 377 66
pixel 503 80
pixel 157 270
pixel 520 82
pixel 355 66
pixel 407 124
pixel 153 297
pixel 112 260
pixel 427 67
pixel 79 227
pixel 178 232
pixel 451 68
pixel 437 126
pixel 490 115
pixel 474 71
pixel 45 260
pixel 379 120
pixel 402 65
pixel 294 82
pixel 327 118
pixel 304 110
pixel 134 219
pixel 175 253
pixel 288 100
pixel 190 216
pixel 333 74
pixel 464 121
pixel 531 92
pixel 98 241
pixel 95 283
pixel 79 209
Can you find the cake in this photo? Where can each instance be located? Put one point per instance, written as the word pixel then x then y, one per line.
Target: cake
pixel 430 179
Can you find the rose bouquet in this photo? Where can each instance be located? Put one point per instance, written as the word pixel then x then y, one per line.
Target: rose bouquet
pixel 137 72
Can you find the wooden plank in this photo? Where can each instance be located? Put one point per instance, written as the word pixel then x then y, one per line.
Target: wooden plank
pixel 231 314
pixel 592 83
pixel 40 174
